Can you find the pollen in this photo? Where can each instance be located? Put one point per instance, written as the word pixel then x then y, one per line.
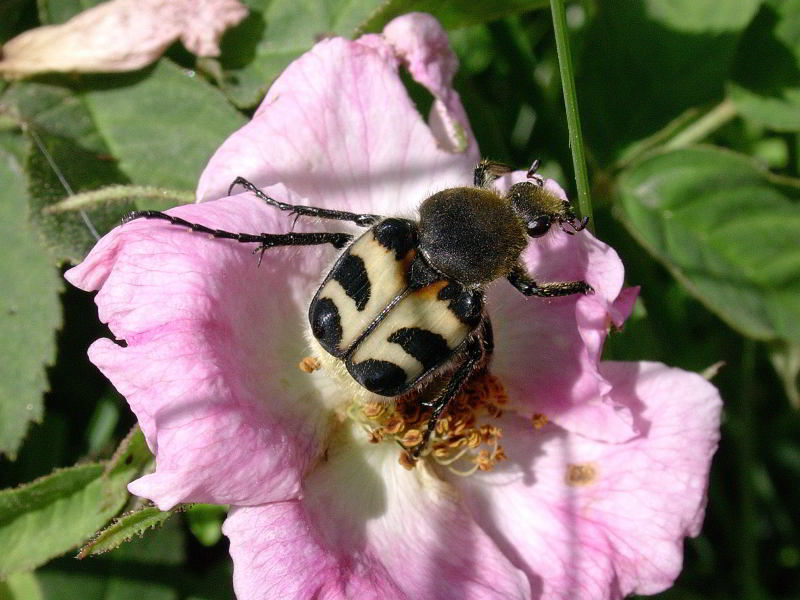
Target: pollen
pixel 539 420
pixel 373 410
pixel 464 439
pixel 309 364
pixel 580 474
pixel 411 438
pixel 406 461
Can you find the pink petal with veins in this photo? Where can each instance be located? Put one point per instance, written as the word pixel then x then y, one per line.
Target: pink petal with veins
pixel 212 344
pixel 338 130
pixel 277 555
pixel 594 521
pixel 372 530
pixel 547 349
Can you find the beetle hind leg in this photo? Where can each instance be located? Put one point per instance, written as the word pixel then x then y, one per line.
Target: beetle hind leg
pixel 475 355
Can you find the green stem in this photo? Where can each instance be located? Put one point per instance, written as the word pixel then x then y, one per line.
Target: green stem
pixel 571 103
pixel 121 193
pixel 700 129
pixel 748 556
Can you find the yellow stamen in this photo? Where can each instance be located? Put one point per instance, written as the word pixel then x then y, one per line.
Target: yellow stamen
pixel 461 436
pixel 373 410
pixel 309 364
pixel 406 461
pixel 539 420
pixel 580 474
pixel 412 438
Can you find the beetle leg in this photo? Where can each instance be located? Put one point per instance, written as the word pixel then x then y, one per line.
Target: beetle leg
pixel 520 279
pixel 473 361
pixel 264 240
pixel 362 220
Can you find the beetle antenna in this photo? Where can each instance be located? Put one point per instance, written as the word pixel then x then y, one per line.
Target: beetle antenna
pixel 533 169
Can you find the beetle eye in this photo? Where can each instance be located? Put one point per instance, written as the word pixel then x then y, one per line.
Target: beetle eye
pixel 539 226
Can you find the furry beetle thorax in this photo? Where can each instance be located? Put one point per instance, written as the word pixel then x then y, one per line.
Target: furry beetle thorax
pixel 402 311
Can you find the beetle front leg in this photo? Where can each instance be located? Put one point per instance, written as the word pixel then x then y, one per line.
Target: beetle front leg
pixel 264 240
pixel 362 220
pixel 520 279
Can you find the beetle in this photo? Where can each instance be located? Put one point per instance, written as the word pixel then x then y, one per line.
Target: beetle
pixel 401 313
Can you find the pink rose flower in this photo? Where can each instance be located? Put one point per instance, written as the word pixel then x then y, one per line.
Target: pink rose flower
pixel 559 476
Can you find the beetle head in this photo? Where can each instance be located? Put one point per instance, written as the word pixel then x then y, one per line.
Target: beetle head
pixel 539 209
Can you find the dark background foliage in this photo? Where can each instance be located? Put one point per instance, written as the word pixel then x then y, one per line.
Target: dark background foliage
pixel 690 111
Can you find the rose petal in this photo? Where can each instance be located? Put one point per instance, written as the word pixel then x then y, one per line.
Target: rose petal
pixel 599 521
pixel 212 347
pixel 547 350
pixel 121 35
pixel 278 555
pixel 338 130
pixel 368 511
pixel 422 45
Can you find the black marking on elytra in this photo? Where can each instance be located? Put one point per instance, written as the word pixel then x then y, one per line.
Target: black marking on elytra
pixel 467 305
pixel 451 291
pixel 351 273
pixel 326 324
pixel 379 376
pixel 399 235
pixel 427 347
pixel 375 322
pixel 421 274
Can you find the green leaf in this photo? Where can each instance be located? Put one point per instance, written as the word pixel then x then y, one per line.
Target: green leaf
pixel 52 12
pixel 451 13
pixel 161 124
pixel 727 230
pixel 146 568
pixel 20 586
pixel 11 12
pixel 275 33
pixel 785 359
pixel 639 70
pixel 766 80
pixel 65 153
pixel 30 311
pixel 47 517
pixel 141 126
pixel 54 111
pixel 205 522
pixel 125 528
pixel 51 161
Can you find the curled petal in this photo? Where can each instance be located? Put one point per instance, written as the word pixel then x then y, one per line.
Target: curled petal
pixel 422 45
pixel 122 35
pixel 589 520
pixel 211 347
pixel 337 129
